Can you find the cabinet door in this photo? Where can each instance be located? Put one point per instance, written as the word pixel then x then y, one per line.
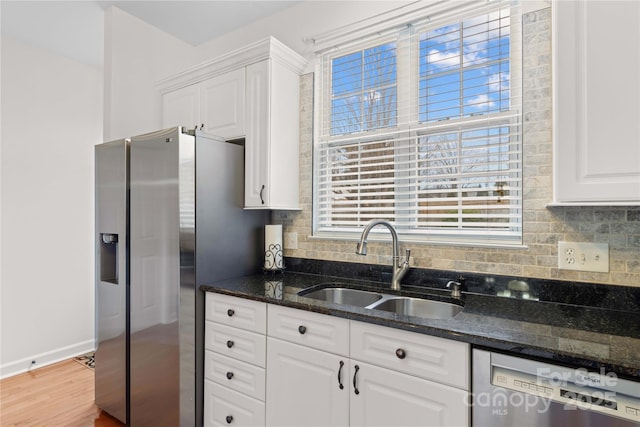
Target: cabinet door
pixel 382 397
pixel 596 102
pixel 272 141
pixel 182 107
pixel 223 105
pixel 303 386
pixel 257 142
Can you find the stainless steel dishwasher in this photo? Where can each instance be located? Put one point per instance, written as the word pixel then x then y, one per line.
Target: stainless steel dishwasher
pixel 511 391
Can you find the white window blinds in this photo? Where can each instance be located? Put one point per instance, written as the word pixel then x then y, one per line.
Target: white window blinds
pixel 421 126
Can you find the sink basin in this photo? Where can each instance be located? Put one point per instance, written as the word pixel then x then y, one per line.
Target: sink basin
pixel 418 307
pixel 345 296
pixel 408 306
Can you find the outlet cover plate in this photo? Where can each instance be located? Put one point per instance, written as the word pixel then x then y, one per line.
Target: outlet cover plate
pixel 583 256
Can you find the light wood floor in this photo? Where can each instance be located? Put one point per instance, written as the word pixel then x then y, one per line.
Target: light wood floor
pixel 54 396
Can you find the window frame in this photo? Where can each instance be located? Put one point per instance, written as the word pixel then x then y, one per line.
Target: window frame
pixel 408 126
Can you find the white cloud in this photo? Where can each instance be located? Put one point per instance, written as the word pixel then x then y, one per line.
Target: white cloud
pixel 480 102
pixel 442 60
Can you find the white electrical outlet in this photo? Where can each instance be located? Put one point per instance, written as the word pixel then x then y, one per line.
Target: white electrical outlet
pixel 291 240
pixel 583 256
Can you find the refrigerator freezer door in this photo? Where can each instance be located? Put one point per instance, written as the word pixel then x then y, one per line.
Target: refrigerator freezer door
pixel 111 274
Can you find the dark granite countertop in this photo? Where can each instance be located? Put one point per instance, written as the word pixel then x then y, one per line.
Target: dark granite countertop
pixel 597 338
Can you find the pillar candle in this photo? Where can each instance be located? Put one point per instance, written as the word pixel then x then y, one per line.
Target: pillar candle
pixel 273 247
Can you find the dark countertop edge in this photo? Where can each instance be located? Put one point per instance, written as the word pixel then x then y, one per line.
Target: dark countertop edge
pixel 491 344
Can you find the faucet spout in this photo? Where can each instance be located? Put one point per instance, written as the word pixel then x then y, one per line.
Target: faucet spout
pixel 399 270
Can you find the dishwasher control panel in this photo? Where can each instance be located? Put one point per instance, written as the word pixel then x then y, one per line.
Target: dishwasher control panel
pixel 562 386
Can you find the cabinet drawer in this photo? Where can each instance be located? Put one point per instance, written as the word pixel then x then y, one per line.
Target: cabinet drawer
pixel 326 333
pixel 237 312
pixel 239 376
pixel 424 356
pixel 224 407
pixel 236 343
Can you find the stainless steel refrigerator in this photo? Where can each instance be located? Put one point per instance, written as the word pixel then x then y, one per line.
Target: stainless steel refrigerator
pixel 169 218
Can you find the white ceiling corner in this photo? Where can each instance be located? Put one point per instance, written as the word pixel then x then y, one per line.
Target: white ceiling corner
pixel 76 28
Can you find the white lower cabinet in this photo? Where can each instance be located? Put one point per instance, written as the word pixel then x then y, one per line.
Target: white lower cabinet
pixel 326 371
pixel 234 374
pixel 234 361
pixel 303 386
pixel 224 407
pixel 424 356
pixel 392 377
pixel 382 397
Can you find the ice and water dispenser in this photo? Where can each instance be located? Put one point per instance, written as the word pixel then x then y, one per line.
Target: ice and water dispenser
pixel 109 258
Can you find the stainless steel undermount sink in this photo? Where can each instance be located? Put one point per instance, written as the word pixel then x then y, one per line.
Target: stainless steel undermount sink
pixel 419 307
pixel 347 296
pixel 408 306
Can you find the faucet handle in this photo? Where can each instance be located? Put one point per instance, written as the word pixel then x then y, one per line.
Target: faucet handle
pixel 408 255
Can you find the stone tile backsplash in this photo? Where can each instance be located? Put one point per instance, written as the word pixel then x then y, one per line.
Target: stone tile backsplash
pixel 543 227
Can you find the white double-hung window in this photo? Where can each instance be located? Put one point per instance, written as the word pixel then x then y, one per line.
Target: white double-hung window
pixel 420 124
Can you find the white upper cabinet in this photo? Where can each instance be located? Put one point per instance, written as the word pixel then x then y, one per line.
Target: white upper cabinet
pixel 223 104
pixel 596 90
pixel 272 143
pixel 215 106
pixel 251 93
pixel 182 107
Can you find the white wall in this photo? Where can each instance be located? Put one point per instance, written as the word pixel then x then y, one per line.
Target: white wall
pixel 51 119
pixel 294 25
pixel 137 55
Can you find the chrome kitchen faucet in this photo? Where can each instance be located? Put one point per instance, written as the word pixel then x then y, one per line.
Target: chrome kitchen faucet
pixel 398 270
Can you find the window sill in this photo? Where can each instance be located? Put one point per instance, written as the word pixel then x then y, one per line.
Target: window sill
pixel 385 237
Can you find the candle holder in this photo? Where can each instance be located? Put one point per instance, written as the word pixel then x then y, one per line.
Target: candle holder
pixel 273 259
pixel 273 288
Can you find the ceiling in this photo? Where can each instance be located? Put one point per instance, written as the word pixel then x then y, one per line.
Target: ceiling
pixel 196 22
pixel 76 28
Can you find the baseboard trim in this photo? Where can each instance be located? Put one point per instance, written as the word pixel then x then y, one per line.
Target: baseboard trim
pixel 43 359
